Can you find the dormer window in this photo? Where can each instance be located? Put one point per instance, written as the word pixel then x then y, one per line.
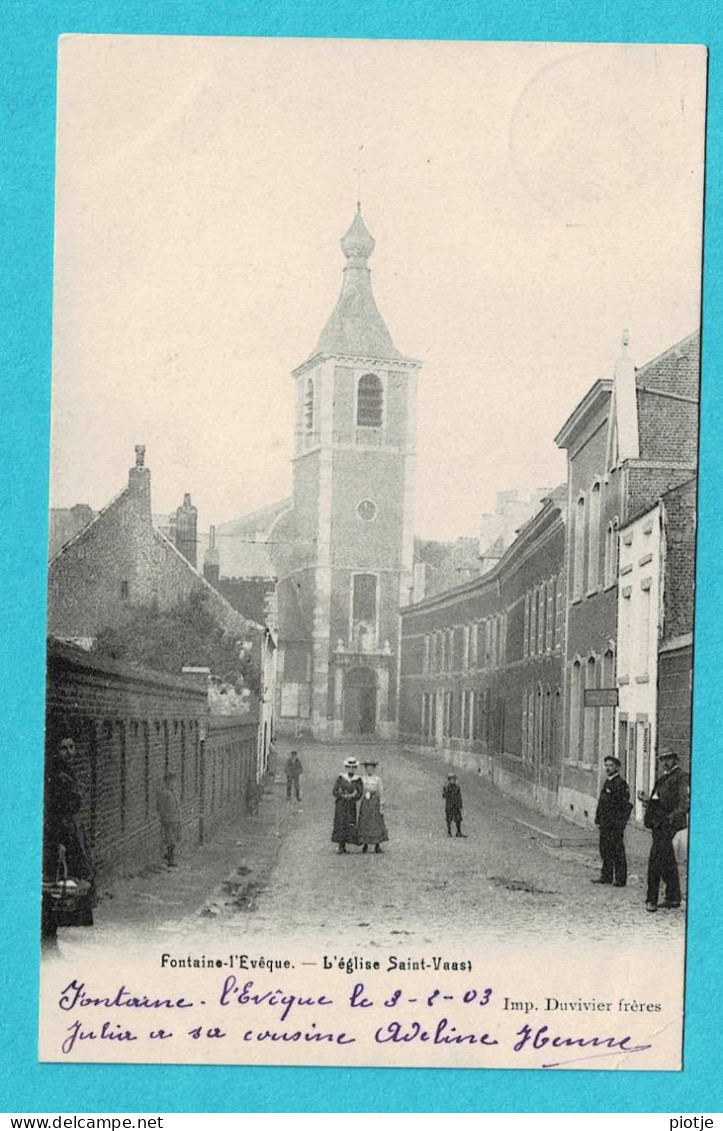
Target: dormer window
pixel 370 402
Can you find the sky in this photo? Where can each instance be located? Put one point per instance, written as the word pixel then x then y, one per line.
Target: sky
pixel 528 201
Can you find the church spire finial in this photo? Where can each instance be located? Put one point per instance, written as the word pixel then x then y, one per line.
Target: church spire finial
pixel 359 170
pixel 356 328
pixel 358 243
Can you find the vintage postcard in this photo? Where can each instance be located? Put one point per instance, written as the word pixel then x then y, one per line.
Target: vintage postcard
pixel 376 375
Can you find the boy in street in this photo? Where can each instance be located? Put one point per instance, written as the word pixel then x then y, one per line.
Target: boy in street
pixel 452 795
pixel 169 811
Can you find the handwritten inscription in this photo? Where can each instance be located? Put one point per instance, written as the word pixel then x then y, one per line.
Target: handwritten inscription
pixel 256 1013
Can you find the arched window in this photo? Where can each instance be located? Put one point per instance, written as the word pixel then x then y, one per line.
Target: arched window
pixel 560 612
pixel 607 575
pixel 542 604
pixel 539 724
pixel 526 629
pixel 578 574
pixel 370 402
pixel 593 556
pixel 550 617
pixel 590 714
pixel 614 560
pixel 523 750
pixel 309 408
pixel 575 710
pixel 606 738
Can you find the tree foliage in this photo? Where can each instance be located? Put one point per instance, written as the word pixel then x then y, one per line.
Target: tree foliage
pixel 187 634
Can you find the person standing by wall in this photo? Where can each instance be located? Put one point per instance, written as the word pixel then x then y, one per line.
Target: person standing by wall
pixel 665 814
pixel 68 870
pixel 169 811
pixel 612 815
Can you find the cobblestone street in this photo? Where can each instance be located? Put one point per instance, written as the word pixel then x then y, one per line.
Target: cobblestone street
pixel 281 876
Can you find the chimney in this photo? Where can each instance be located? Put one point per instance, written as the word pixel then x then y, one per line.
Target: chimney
pixel 625 398
pixel 211 561
pixel 186 529
pixel 139 480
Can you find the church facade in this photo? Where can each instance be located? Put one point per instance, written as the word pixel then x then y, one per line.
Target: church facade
pixel 342 546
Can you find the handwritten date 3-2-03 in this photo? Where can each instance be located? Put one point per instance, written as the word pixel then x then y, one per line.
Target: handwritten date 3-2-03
pixel 256 1014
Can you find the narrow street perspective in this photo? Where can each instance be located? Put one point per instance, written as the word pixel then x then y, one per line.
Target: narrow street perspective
pixel 513 877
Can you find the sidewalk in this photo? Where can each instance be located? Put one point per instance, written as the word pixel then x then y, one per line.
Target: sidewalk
pixel 229 870
pixel 551 829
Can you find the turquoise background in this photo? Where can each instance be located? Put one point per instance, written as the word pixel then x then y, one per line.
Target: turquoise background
pixel 29 32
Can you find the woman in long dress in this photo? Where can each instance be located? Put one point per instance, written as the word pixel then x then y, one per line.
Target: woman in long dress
pixel 371 827
pixel 347 791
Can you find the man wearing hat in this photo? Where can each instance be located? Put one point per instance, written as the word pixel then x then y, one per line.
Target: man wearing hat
pixel 452 795
pixel 612 815
pixel 347 791
pixel 665 814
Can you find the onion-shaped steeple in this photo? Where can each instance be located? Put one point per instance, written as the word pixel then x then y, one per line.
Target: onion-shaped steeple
pixel 356 328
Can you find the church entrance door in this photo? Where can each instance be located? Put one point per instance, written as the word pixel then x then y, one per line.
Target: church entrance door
pixel 360 702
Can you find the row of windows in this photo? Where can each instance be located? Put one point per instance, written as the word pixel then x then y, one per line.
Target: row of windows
pixel 544 617
pixel 467 647
pixel 369 404
pixel 463 714
pixel 541 724
pixel 634 633
pixel 591 728
pixel 586 558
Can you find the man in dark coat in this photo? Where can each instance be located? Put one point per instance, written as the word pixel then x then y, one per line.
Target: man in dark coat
pixel 665 814
pixel 293 770
pixel 612 814
pixel 452 795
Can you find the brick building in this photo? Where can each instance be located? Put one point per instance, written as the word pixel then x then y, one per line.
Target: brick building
pixel 655 622
pixel 121 561
pixel 131 726
pixel 481 664
pixel 629 441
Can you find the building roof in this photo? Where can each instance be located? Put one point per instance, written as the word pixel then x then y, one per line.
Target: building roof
pixel 552 510
pixel 356 328
pixel 583 410
pixel 245 545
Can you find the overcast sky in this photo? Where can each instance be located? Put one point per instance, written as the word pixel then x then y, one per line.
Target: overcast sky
pixel 528 202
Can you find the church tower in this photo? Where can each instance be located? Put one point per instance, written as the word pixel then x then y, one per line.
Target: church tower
pixel 350 560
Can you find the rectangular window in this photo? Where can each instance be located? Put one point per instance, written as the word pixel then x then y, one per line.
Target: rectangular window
pixel 643 665
pixel 364 601
pixel 523 751
pixel 550 619
pixel 541 597
pixel 533 622
pixel 124 590
pixel 560 616
pixel 526 629
pixel 297 663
